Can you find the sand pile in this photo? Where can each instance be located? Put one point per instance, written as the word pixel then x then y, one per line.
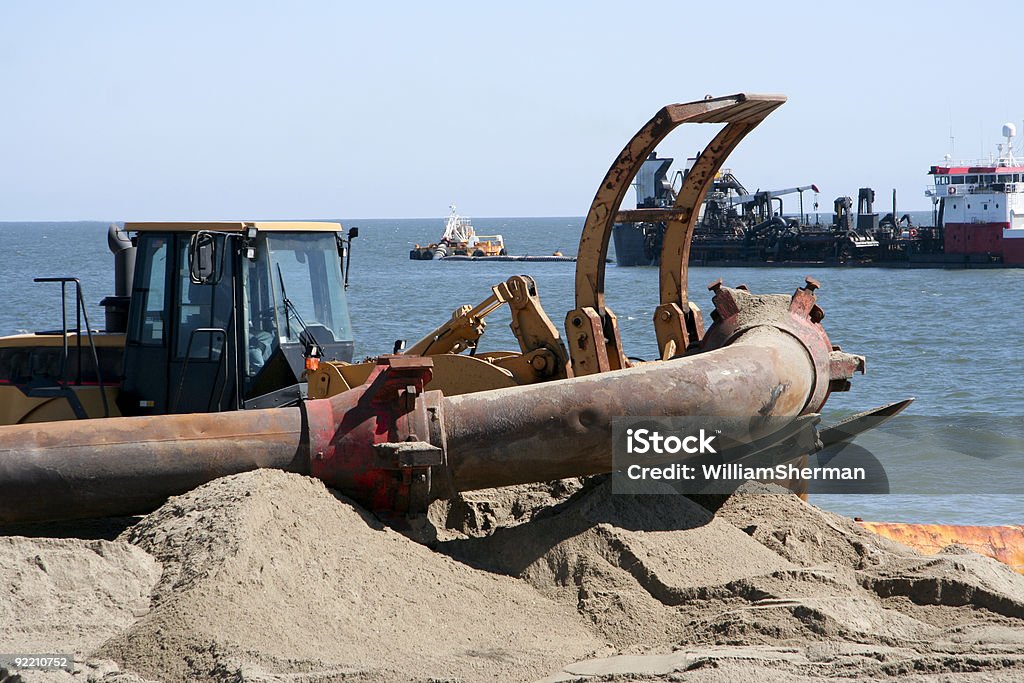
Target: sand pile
pixel 481 513
pixel 269 576
pixel 269 572
pixel 621 560
pixel 71 592
pixel 768 579
pixel 68 596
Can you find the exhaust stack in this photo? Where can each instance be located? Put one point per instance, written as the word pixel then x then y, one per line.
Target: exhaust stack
pixel 116 306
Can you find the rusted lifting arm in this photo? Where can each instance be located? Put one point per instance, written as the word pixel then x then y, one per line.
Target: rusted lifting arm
pixel 592 330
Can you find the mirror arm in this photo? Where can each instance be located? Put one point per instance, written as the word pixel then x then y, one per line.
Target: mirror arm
pixel 346 244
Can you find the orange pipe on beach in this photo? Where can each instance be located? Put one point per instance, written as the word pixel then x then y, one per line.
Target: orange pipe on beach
pixel 1003 543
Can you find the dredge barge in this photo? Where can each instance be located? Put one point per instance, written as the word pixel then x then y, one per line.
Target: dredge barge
pixel 978 222
pixel 459 239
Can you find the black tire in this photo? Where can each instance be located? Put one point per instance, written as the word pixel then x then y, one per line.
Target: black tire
pixel 503 252
pixel 414 255
pixel 479 253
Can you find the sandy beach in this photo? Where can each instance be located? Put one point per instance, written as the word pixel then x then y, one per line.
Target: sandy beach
pixel 269 576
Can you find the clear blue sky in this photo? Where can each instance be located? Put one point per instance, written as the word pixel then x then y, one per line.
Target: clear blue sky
pixel 228 110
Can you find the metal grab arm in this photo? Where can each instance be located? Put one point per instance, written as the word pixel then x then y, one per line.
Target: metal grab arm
pixel 592 329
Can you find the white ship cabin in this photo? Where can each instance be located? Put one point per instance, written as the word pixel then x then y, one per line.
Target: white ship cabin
pixel 981 205
pixel 982 192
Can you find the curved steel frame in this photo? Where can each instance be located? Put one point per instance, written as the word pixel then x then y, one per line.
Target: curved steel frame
pixel 593 335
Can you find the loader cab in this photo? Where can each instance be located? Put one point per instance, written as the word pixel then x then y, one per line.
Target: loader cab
pixel 226 316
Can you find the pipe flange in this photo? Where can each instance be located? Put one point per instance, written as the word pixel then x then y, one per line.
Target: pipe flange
pixel 737 311
pixel 383 442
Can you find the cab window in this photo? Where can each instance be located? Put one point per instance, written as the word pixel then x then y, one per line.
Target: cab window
pixel 306 276
pixel 148 323
pixel 202 308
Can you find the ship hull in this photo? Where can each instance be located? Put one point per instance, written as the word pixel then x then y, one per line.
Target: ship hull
pixel 633 248
pixel 630 249
pixel 985 239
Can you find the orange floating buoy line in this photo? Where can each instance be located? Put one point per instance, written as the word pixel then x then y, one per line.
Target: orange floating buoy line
pixel 1003 543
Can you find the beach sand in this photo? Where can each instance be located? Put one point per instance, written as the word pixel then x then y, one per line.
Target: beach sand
pixel 270 576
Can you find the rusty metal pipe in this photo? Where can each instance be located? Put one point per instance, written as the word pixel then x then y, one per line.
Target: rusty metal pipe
pixel 393 447
pixel 130 465
pixel 564 429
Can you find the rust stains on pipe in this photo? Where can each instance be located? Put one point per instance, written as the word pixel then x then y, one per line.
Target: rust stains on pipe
pixel 564 429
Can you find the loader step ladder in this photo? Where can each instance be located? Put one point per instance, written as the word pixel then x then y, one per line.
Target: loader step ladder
pixel 62 387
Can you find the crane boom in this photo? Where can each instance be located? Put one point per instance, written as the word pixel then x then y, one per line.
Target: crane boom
pixel 763 194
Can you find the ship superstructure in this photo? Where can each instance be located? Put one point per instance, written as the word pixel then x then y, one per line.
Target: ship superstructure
pixel 981 205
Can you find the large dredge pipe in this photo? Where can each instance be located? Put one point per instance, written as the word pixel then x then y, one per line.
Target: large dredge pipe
pixel 129 465
pixel 564 429
pixel 393 447
pixel 764 357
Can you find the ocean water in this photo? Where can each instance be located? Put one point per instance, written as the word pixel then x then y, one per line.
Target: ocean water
pixel 954 339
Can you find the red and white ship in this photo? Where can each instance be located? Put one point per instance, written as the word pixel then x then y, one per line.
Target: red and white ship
pixel 981 205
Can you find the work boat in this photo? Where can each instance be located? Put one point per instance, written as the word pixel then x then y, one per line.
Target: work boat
pixel 460 239
pixel 981 205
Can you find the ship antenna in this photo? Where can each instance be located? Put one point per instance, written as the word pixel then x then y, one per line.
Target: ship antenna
pixel 951 138
pixel 1009 131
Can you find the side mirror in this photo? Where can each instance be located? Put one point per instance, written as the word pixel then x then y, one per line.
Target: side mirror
pixel 345 251
pixel 202 259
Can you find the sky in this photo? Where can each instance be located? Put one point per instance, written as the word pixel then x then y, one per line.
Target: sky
pixel 234 110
